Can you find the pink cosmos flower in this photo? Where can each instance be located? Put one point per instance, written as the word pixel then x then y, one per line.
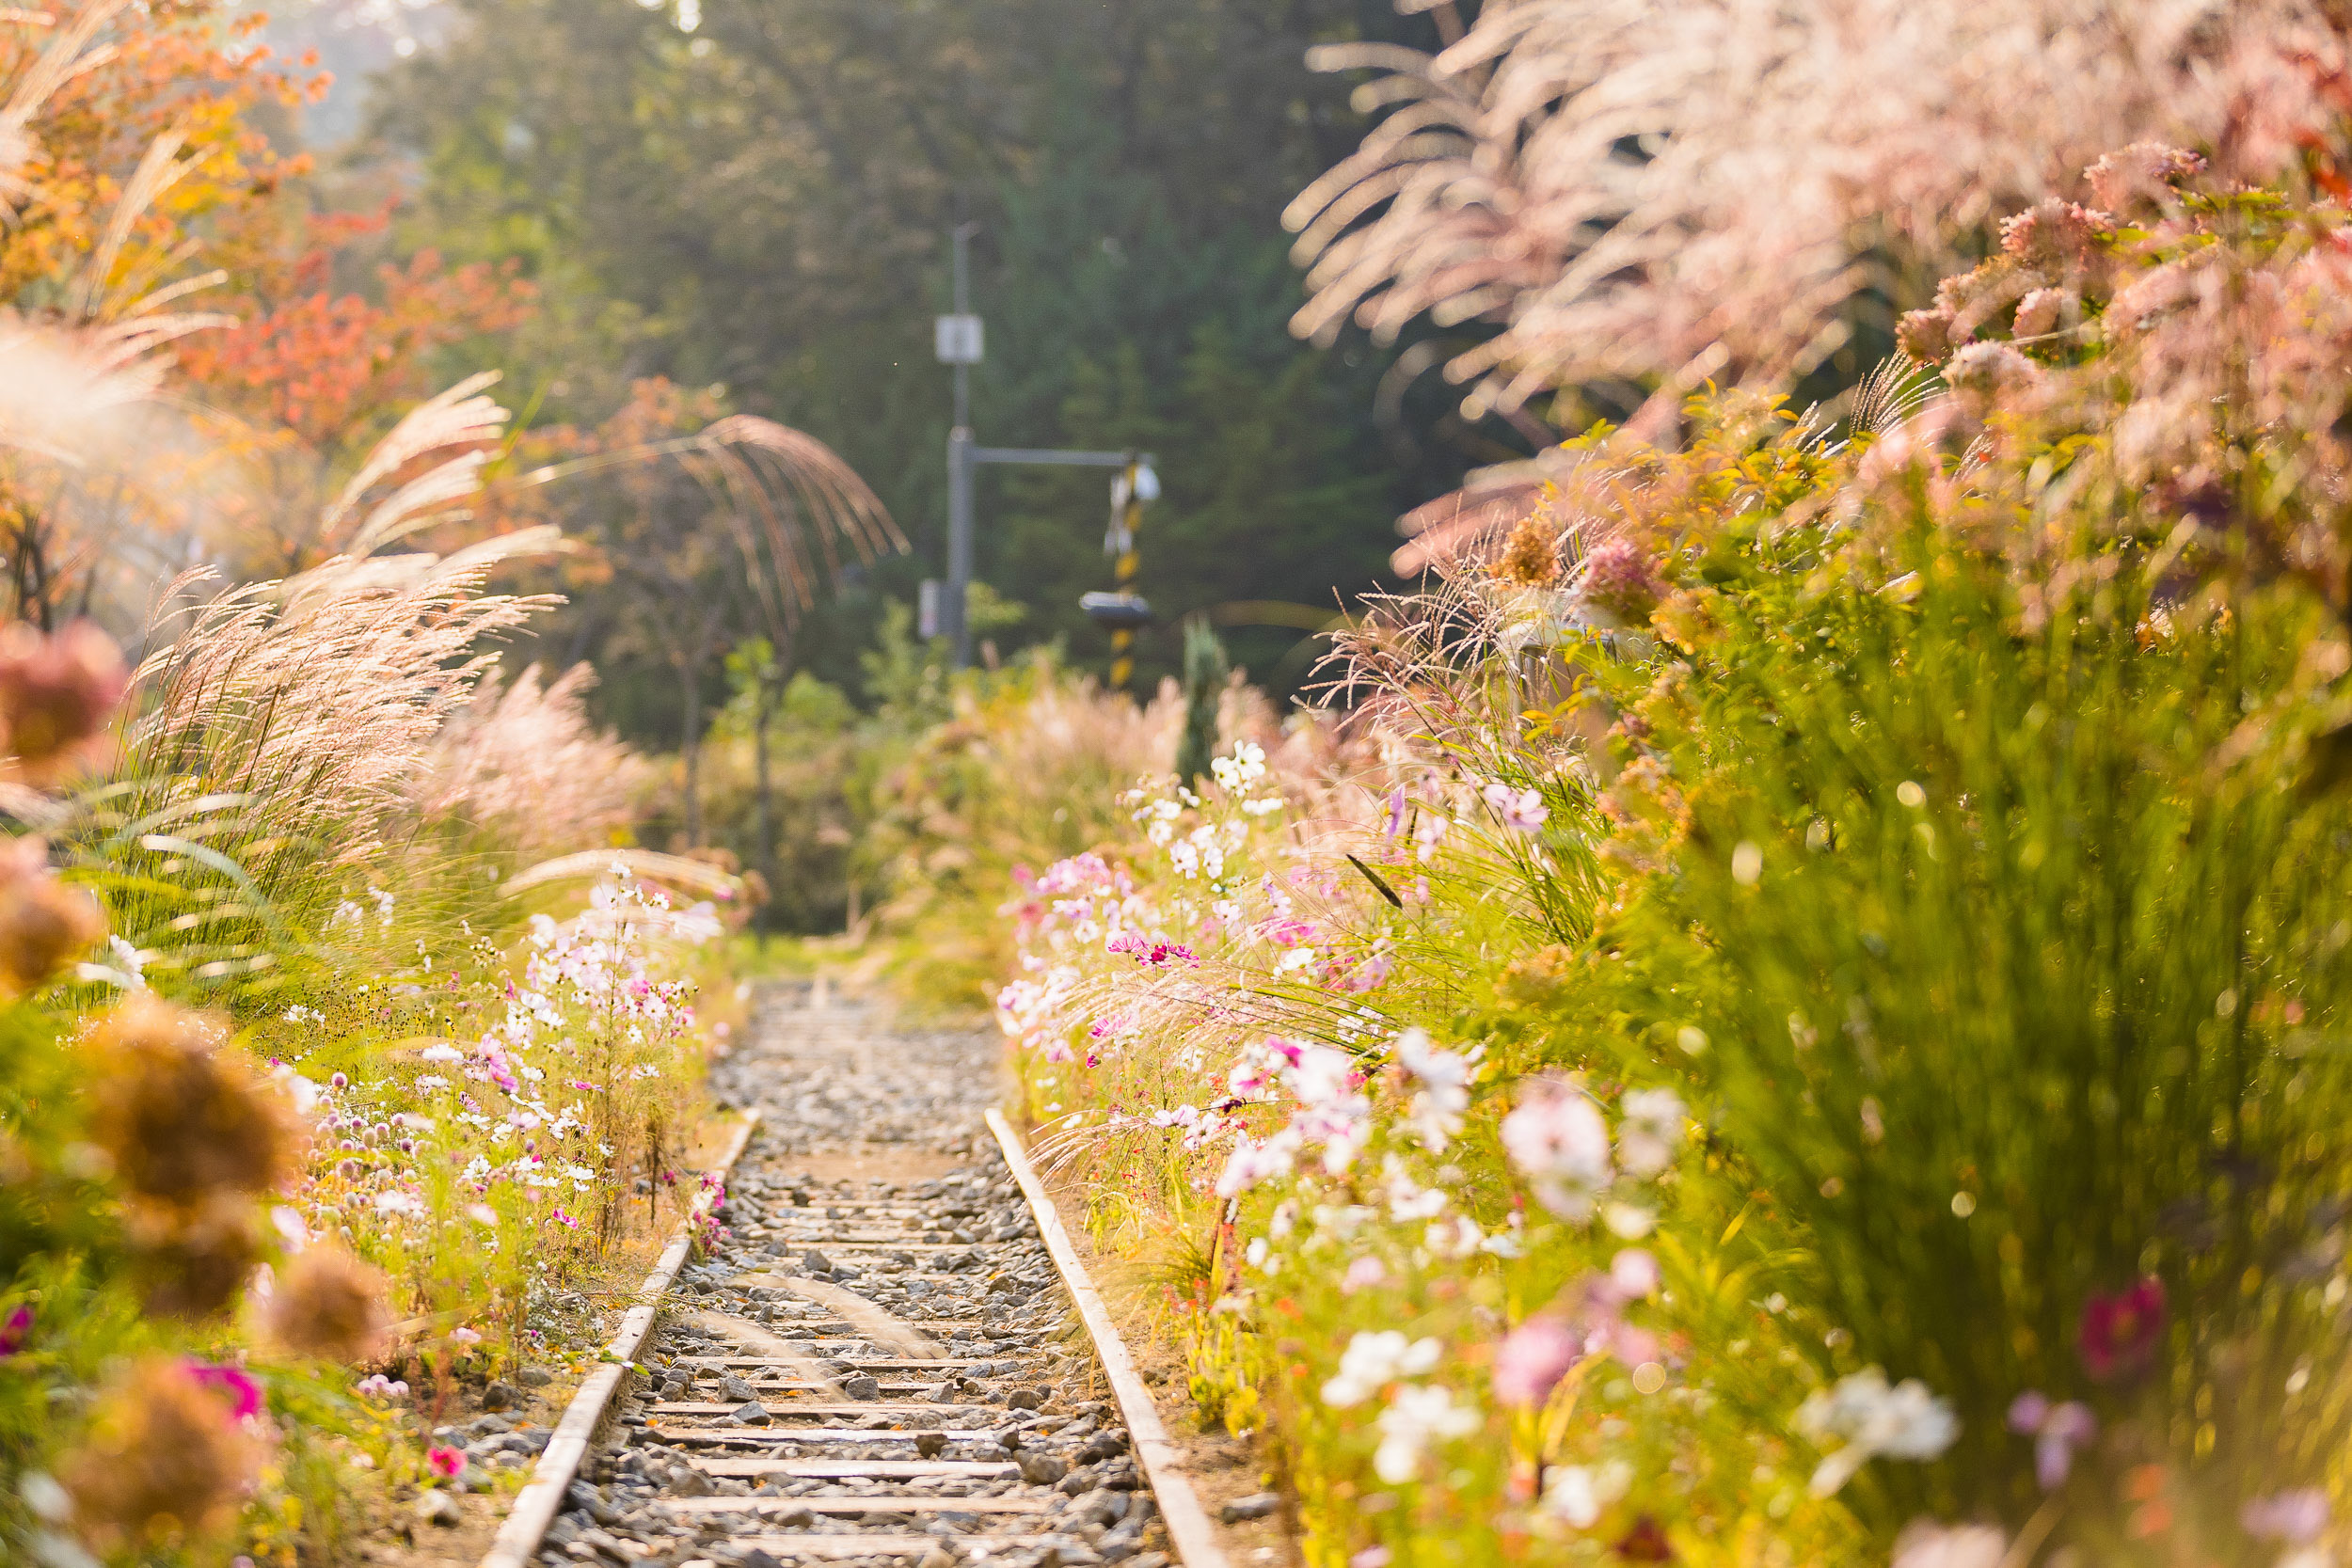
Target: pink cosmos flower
pixel 1531 1362
pixel 1557 1139
pixel 2120 1333
pixel 1521 810
pixel 2057 1430
pixel 2295 1517
pixel 444 1462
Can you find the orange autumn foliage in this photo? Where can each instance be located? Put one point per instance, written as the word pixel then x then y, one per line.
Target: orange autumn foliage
pixel 189 67
pixel 326 367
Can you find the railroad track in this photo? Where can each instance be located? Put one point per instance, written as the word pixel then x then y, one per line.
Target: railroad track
pixel 880 1363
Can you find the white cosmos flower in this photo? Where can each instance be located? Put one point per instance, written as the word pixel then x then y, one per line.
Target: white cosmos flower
pixel 1578 1493
pixel 1902 1421
pixel 1371 1361
pixel 1444 1087
pixel 1416 1417
pixel 1653 1129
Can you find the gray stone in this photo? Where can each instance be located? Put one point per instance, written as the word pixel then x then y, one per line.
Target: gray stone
pixel 500 1396
pixel 534 1377
pixel 860 1386
pixel 1042 1469
pixel 734 1388
pixel 1023 1398
pixel 687 1482
pixel 754 1414
pixel 1256 1506
pixel 436 1507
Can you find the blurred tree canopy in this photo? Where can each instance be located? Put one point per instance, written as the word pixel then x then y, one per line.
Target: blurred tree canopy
pixel 755 195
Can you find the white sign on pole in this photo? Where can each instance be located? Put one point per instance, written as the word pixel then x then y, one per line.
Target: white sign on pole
pixel 957 340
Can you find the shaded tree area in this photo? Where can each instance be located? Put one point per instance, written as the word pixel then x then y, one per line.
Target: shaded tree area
pixel 753 195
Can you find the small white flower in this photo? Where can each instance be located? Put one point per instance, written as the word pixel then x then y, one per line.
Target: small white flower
pixel 1444 1093
pixel 1902 1421
pixel 1653 1129
pixel 440 1051
pixel 1371 1361
pixel 1578 1495
pixel 1416 1417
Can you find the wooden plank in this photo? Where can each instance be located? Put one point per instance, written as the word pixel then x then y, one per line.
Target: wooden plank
pixel 537 1503
pixel 815 1434
pixel 1187 1523
pixel 874 1363
pixel 881 1406
pixel 828 1548
pixel 877 1243
pixel 852 1469
pixel 946 1325
pixel 897 1502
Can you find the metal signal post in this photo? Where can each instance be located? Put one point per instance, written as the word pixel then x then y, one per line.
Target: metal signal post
pixel 1126 515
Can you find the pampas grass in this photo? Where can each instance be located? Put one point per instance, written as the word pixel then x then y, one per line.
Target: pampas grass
pixel 1659 192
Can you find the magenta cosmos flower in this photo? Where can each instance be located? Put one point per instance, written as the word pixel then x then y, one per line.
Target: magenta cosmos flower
pixel 244 1395
pixel 2120 1332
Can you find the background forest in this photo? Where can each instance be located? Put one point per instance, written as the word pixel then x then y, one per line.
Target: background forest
pixel 754 199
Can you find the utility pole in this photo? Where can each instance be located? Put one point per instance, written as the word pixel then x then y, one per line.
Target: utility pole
pixel 958 340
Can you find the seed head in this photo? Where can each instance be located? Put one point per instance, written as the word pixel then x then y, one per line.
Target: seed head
pixel 44 923
pixel 329 1305
pixel 182 1118
pixel 57 694
pixel 165 1460
pixel 193 1257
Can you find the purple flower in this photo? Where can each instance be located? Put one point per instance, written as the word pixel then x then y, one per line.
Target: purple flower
pixel 2120 1332
pixel 2058 1431
pixel 16 1330
pixel 243 1393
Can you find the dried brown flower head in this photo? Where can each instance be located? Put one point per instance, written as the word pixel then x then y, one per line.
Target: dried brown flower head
pixel 57 694
pixel 44 923
pixel 165 1459
pixel 182 1118
pixel 193 1259
pixel 329 1305
pixel 1532 554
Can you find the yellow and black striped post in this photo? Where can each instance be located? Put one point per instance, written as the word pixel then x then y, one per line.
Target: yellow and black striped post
pixel 1123 637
